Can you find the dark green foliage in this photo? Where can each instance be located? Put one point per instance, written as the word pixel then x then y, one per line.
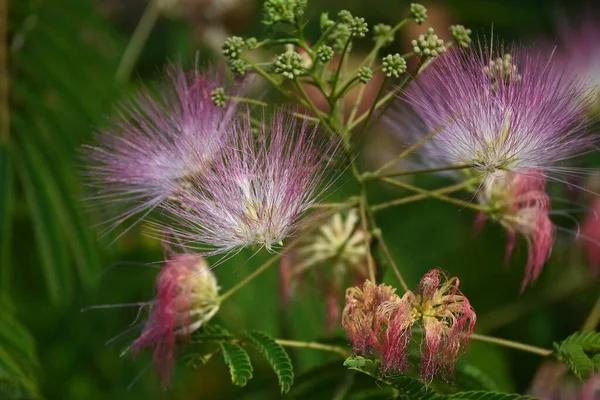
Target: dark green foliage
pixel 18 360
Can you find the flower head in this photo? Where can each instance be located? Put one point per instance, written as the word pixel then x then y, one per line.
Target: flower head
pixel 520 203
pixel 512 112
pixel 334 254
pixel 256 189
pixel 157 140
pixel 378 321
pixel 186 298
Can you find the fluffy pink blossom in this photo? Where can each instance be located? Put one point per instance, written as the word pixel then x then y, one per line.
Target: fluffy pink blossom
pixel 157 140
pixel 186 298
pixel 514 111
pixel 520 203
pixel 257 188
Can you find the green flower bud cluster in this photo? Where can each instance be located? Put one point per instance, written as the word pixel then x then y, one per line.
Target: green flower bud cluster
pixel 232 50
pixel 289 64
pixel 283 11
pixel 429 45
pixel 325 23
pixel 364 74
pixel 324 53
pixel 218 97
pixel 461 35
pixel 356 25
pixel 393 65
pixel 381 34
pixel 418 13
pixel 502 69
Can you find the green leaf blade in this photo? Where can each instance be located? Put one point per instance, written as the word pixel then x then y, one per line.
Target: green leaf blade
pixel 276 356
pixel 238 361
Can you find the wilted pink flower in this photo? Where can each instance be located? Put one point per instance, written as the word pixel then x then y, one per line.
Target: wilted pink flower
pixel 330 258
pixel 158 141
pixel 520 203
pixel 590 231
pixel 553 381
pixel 257 189
pixel 448 321
pixel 366 315
pixel 186 298
pixel 377 321
pixel 498 113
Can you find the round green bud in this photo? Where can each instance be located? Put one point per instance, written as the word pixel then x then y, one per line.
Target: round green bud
pixel 289 64
pixel 283 11
pixel 461 35
pixel 345 16
pixel 238 66
pixel 381 33
pixel 418 13
pixel 218 97
pixel 252 43
pixel 324 53
pixel 358 27
pixel 232 47
pixel 429 45
pixel 393 65
pixel 364 74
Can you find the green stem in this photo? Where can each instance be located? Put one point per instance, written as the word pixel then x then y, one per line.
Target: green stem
pixel 246 100
pixel 388 255
pixel 408 151
pixel 512 344
pixel 369 176
pixel 322 116
pixel 434 195
pixel 138 41
pixel 250 277
pixel 593 318
pixel 315 346
pixel 338 70
pixel 363 219
pixel 416 197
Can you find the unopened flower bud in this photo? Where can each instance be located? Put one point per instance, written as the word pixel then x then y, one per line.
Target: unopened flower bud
pixel 289 64
pixel 393 65
pixel 283 11
pixel 218 97
pixel 324 53
pixel 232 47
pixel 364 74
pixel 461 35
pixel 418 13
pixel 429 45
pixel 381 33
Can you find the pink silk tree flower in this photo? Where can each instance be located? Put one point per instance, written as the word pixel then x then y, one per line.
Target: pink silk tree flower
pixel 590 231
pixel 186 298
pixel 157 141
pixel 514 112
pixel 520 203
pixel 257 188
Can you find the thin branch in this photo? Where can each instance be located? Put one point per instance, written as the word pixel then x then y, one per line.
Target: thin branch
pixel 315 346
pixel 434 195
pixel 392 262
pixel 593 318
pixel 137 42
pixel 416 197
pixel 365 227
pixel 512 344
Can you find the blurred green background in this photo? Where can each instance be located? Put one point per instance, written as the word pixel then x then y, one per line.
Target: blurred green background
pixel 62 59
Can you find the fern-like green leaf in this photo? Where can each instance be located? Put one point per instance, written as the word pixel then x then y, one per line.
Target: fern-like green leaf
pixel 276 355
pixel 589 341
pixel 238 361
pixel 212 333
pixel 482 395
pixel 578 361
pixel 408 387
